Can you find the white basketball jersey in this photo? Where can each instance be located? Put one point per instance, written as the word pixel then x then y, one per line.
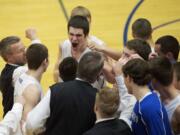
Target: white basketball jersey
pixel 66 47
pixel 20 85
pixel 66 52
pixel 23 81
pixel 171 107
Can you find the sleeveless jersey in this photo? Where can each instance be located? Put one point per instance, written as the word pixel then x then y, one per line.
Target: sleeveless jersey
pixel 66 52
pixel 20 85
pixel 171 107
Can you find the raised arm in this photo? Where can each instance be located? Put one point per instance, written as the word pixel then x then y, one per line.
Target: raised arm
pixel 127 101
pixel 31 34
pixel 108 72
pixel 114 54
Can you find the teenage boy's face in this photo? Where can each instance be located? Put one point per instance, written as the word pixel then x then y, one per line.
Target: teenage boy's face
pixel 76 37
pixel 127 53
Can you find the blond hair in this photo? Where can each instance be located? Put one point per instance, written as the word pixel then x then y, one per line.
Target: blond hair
pixel 107 101
pixel 81 11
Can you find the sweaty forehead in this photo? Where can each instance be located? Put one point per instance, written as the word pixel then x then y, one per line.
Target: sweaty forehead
pixel 75 30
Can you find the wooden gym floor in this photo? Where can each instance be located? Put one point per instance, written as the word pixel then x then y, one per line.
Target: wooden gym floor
pixel 108 22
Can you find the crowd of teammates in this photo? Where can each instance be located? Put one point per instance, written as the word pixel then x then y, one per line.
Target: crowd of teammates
pixel 144 100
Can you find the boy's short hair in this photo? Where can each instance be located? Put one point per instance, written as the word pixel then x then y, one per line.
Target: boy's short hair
pixel 81 11
pixel 141 28
pixel 68 69
pixel 107 100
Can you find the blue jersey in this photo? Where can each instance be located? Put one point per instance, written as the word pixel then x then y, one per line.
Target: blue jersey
pixel 149 117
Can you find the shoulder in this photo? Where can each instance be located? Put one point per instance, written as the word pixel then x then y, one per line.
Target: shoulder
pixel 20 69
pixel 8 70
pixel 149 101
pixel 24 80
pixel 151 105
pixel 123 123
pixel 65 49
pixel 31 89
pixel 31 93
pixel 92 131
pixel 65 88
pixel 175 121
pixel 18 72
pixel 177 113
pixel 55 86
pixel 96 40
pixel 21 82
pixel 65 43
pixel 61 87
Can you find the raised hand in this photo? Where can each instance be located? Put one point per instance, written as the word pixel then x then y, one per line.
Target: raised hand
pixel 31 34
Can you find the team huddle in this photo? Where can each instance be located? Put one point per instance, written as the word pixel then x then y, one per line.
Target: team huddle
pixel 144 98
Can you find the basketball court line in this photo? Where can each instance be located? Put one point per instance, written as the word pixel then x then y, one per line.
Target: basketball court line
pixel 126 28
pixel 64 10
pixel 125 33
pixel 165 24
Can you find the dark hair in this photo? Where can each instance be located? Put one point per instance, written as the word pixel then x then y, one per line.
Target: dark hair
pixel 176 69
pixel 141 47
pixel 36 54
pixel 79 22
pixel 68 69
pixel 107 100
pixel 90 66
pixel 167 44
pixel 5 45
pixel 138 70
pixel 162 70
pixel 142 28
